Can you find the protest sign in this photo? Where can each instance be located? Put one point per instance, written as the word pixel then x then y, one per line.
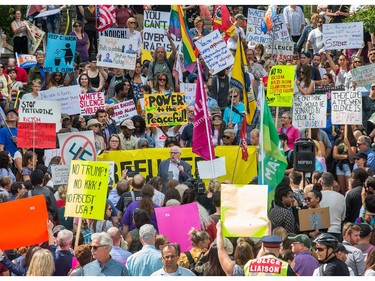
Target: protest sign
pixel 60 53
pixel 189 89
pixel 34 36
pixel 60 174
pixel 49 154
pixel 165 109
pixel 313 219
pixel 48 13
pixel 20 216
pixel 280 50
pixel 244 210
pixel 115 33
pixel 36 135
pixel 26 61
pixel 67 96
pixel 182 224
pixel 77 146
pixel 364 75
pixel 346 108
pixel 40 111
pixel 212 169
pixel 89 103
pixel 310 111
pixel 280 86
pixel 117 52
pixel 214 51
pixel 348 35
pixel 146 161
pixel 255 35
pixel 123 110
pixel 87 190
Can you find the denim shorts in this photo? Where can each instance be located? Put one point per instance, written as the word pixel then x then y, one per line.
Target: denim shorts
pixel 345 170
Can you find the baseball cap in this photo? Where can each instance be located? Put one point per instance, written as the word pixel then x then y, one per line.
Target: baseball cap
pixel 65 116
pixel 12 110
pixel 271 241
pixel 301 238
pixel 360 155
pixel 341 248
pixel 240 16
pixel 147 231
pixel 128 123
pixel 366 229
pixel 57 229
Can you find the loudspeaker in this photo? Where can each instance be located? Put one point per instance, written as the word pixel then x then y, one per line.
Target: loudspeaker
pixel 304 155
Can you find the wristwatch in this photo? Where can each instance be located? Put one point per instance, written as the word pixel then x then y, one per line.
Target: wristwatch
pixel 2 257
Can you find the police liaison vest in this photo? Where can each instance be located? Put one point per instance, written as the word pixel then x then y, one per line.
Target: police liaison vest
pixel 267 265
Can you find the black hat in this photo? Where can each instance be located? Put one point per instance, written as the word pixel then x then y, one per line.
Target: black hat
pixel 360 155
pixel 12 110
pixel 366 229
pixel 271 241
pixel 307 54
pixel 341 248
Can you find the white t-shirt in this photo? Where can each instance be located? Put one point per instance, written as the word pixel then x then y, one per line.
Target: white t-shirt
pixel 232 44
pixel 160 137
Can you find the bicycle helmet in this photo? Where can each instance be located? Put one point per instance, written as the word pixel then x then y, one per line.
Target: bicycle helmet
pixel 327 239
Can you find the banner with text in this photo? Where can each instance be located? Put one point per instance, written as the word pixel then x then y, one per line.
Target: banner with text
pixel 89 103
pixel 346 108
pixel 310 111
pixel 281 50
pixel 36 135
pixel 189 89
pixel 67 96
pixel 60 53
pixel 123 110
pixel 215 52
pixel 364 75
pixel 165 109
pixel 255 35
pixel 348 35
pixel 87 190
pixel 280 86
pixel 117 52
pixel 40 111
pixel 77 146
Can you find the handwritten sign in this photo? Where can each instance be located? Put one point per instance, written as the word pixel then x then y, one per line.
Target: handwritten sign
pixel 165 110
pixel 89 103
pixel 40 111
pixel 67 96
pixel 36 135
pixel 189 89
pixel 215 51
pixel 280 86
pixel 49 154
pixel 364 75
pixel 115 33
pixel 77 146
pixel 310 111
pixel 255 35
pixel 60 174
pixel 123 110
pixel 346 107
pixel 34 36
pixel 155 26
pixel 117 52
pixel 337 36
pixel 281 50
pixel 87 190
pixel 60 53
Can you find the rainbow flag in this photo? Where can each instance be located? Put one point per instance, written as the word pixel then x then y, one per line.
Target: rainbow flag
pixel 177 26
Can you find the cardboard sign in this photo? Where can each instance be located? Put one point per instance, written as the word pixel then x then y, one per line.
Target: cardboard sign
pixel 244 210
pixel 312 219
pixel 32 212
pixel 67 96
pixel 280 86
pixel 60 174
pixel 34 36
pixel 255 35
pixel 348 35
pixel 189 89
pixel 89 103
pixel 310 111
pixel 346 107
pixel 364 75
pixel 281 50
pixel 215 51
pixel 87 190
pixel 165 110
pixel 60 53
pixel 77 146
pixel 36 135
pixel 117 52
pixel 182 224
pixel 123 110
pixel 49 154
pixel 40 111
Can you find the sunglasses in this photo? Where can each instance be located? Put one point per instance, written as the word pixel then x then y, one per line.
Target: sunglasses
pixel 320 249
pixel 233 96
pixel 96 247
pixel 77 25
pixel 132 22
pixel 373 88
pixel 321 22
pixel 162 79
pixel 226 137
pixel 302 72
pixel 357 61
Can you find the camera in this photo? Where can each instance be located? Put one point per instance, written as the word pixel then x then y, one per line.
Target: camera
pixel 198 185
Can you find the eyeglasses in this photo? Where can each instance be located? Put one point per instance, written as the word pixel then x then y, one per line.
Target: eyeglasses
pixel 190 111
pixel 226 137
pixel 217 119
pixel 114 141
pixel 174 152
pixel 96 125
pixel 321 22
pixel 96 247
pixel 357 61
pixel 235 96
pixel 320 249
pixel 162 79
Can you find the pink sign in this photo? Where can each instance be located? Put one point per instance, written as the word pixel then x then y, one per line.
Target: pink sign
pixel 182 218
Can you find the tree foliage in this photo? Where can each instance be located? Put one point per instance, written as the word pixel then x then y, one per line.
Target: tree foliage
pixel 366 14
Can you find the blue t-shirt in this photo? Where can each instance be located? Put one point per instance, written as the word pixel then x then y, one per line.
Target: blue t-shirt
pixel 7 141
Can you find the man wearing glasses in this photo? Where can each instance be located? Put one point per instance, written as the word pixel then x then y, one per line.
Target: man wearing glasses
pixel 104 264
pixel 169 258
pixel 364 145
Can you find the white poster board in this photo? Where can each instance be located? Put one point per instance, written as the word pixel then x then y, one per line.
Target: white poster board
pixel 67 96
pixel 348 35
pixel 364 75
pixel 281 50
pixel 189 89
pixel 123 110
pixel 346 107
pixel 60 174
pixel 89 103
pixel 310 111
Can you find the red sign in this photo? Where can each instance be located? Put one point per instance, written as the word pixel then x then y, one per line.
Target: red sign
pixel 36 135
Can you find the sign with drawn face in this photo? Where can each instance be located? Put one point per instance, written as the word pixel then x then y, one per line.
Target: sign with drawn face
pixel 60 53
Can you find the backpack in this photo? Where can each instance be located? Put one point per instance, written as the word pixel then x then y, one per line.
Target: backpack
pixel 153 67
pixel 192 263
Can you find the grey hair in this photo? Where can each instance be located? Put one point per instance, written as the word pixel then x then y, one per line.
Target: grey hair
pixel 230 131
pixel 366 140
pixel 64 237
pixel 105 239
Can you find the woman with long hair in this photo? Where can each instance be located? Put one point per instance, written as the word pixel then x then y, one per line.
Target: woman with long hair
pixel 83 42
pixel 198 31
pixel 137 81
pixel 20 34
pixel 54 80
pixel 84 82
pixel 134 35
pixel 29 161
pixel 341 70
pixel 21 268
pixel 140 217
pixel 96 78
pixel 304 84
pixel 218 127
pixel 140 129
pixel 157 184
pixel 162 84
pixel 357 61
pixel 42 264
pixel 6 162
pixel 79 122
pixel 370 264
pixel 114 143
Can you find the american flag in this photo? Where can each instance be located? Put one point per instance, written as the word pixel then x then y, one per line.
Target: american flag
pixel 106 16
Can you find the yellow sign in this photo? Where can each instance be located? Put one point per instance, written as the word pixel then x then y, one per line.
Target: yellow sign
pixel 244 210
pixel 280 85
pixel 87 189
pixel 165 109
pixel 146 161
